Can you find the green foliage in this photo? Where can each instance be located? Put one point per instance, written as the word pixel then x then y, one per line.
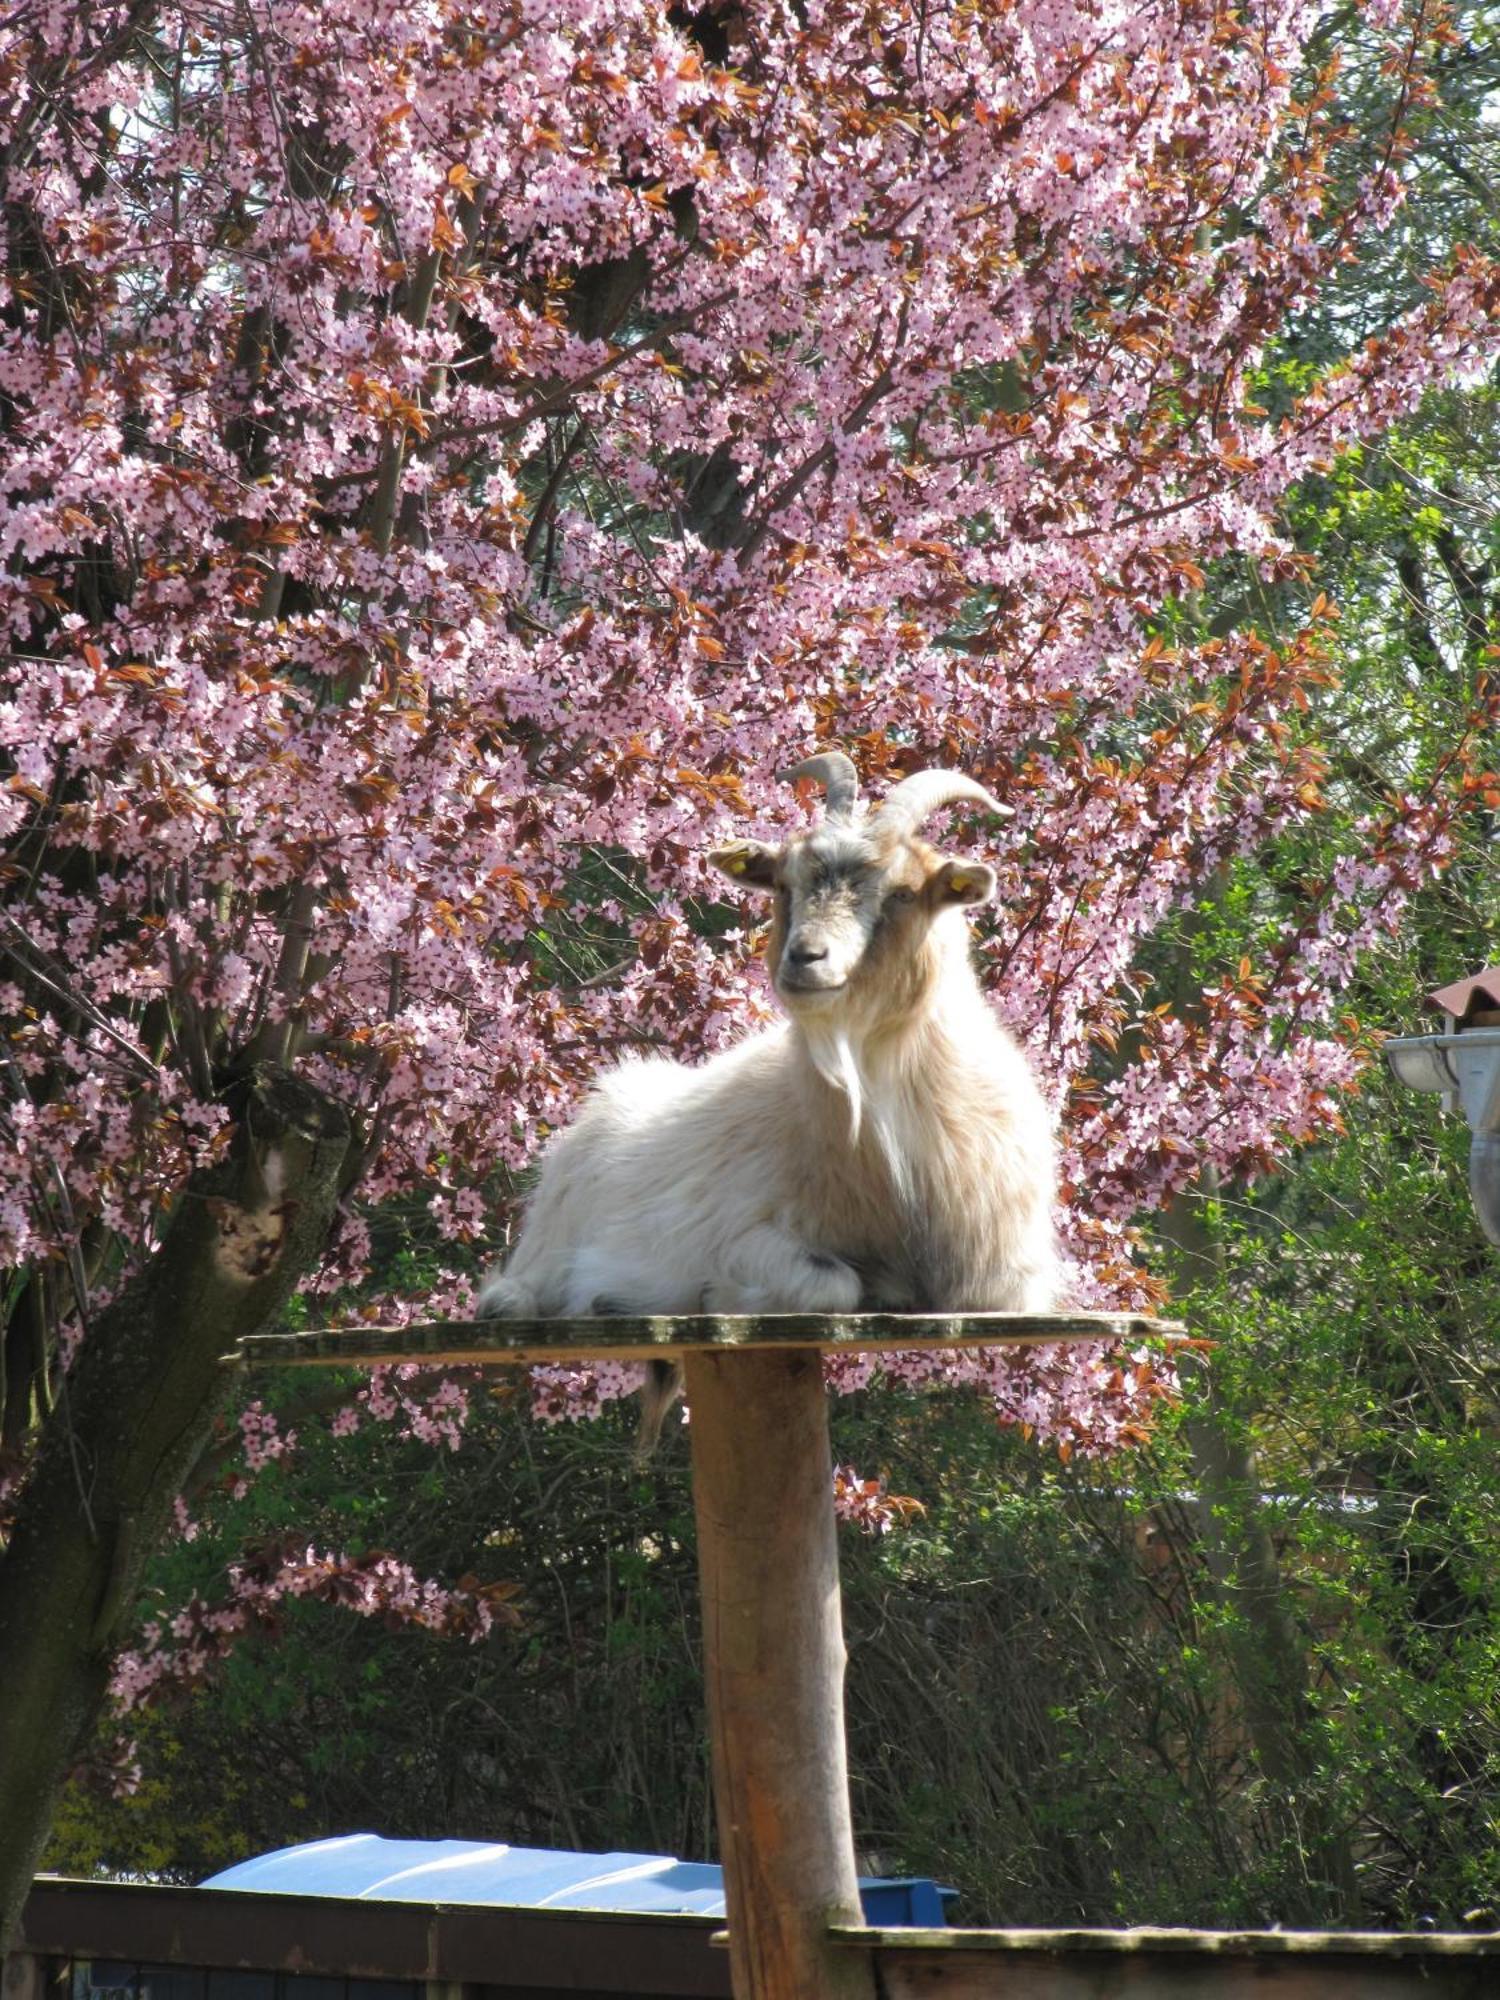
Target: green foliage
pixel 1354 1314
pixel 582 1722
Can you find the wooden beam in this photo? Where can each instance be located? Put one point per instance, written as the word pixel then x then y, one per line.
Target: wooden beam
pixel 1179 1941
pixel 469 1947
pixel 491 1343
pixel 773 1664
pixel 1151 1964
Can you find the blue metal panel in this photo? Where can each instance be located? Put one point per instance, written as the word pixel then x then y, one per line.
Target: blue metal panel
pixel 891 1902
pixel 366 1866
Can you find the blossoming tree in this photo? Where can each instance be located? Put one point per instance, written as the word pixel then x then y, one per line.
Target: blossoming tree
pixel 452 457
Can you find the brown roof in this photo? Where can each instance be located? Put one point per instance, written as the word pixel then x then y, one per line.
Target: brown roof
pixel 1480 989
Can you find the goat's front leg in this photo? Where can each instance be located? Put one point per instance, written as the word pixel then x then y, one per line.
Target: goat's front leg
pixel 770 1269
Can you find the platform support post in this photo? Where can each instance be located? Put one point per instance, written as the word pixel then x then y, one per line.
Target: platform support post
pixel 773 1647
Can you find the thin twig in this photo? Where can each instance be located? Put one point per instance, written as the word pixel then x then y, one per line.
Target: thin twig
pixel 76 1000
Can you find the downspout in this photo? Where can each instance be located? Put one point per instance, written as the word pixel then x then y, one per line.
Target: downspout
pixel 1484 1182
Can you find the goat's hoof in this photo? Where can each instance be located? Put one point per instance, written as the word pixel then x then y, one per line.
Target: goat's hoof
pixel 499 1298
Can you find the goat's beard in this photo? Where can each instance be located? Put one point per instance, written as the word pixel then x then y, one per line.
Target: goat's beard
pixel 832 1052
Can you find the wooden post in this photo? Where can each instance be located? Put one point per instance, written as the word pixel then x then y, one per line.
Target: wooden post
pixel 773 1645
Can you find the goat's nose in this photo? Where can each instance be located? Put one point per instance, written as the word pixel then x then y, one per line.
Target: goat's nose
pixel 803 953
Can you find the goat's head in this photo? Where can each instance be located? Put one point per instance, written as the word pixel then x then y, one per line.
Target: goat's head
pixel 857 897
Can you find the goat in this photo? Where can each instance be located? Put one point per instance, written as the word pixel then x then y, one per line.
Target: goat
pixel 886 1147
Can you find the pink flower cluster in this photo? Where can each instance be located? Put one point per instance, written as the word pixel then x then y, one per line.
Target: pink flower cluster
pixel 262 1437
pixel 868 1504
pixel 175 1654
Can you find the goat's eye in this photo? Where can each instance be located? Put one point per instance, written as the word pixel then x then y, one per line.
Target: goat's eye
pixel 902 896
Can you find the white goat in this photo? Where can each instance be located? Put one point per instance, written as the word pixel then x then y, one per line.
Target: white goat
pixel 886 1148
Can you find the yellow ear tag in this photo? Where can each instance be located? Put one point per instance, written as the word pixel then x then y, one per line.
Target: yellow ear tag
pixel 736 864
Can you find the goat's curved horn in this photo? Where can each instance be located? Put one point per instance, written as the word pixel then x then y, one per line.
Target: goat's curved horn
pixel 836 774
pixel 916 798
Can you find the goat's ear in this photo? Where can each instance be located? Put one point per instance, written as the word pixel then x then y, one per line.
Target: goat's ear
pixel 747 861
pixel 961 882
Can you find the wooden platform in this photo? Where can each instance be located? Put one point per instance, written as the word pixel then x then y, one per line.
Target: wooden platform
pixel 494 1343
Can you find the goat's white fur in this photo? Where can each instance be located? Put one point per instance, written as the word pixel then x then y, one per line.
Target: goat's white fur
pixel 880 1155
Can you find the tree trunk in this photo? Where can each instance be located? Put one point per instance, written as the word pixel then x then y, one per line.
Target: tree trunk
pixel 128 1425
pixel 773 1646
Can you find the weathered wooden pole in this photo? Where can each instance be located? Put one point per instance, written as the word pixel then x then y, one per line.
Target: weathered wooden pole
pixel 773 1645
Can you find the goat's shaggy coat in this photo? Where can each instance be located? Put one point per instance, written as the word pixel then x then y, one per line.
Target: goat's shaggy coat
pixel 886 1148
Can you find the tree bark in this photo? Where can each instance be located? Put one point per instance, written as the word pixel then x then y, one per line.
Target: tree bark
pixel 128 1425
pixel 773 1647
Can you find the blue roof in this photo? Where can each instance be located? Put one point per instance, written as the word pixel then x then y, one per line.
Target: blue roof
pixel 367 1867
